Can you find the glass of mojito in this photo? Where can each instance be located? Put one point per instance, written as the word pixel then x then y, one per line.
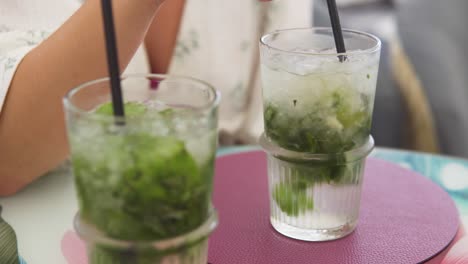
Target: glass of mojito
pixel 144 182
pixel 317 115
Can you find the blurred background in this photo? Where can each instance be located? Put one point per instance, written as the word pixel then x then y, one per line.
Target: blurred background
pixel 422 92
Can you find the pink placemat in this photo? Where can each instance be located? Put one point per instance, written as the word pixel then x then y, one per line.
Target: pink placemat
pixel 404 218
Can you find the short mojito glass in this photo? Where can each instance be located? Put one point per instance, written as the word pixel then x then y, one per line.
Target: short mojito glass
pixel 148 176
pixel 316 103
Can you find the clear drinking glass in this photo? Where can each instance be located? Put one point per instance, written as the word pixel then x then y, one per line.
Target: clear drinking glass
pixel 148 176
pixel 317 102
pixel 315 197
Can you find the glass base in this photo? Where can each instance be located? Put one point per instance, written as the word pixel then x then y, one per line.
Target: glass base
pixel 315 235
pixel 188 248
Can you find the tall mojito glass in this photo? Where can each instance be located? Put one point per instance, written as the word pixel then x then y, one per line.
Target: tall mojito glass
pixel 145 178
pixel 317 112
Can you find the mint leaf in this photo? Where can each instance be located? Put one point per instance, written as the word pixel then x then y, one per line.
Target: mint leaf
pixel 132 109
pixel 292 199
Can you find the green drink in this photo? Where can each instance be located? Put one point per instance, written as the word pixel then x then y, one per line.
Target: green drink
pixel 148 178
pixel 317 114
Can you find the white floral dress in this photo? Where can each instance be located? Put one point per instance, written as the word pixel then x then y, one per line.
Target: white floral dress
pixel 217 43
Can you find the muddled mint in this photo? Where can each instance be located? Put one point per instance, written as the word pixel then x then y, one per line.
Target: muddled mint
pixel 293 199
pixel 290 202
pixel 141 187
pixel 332 126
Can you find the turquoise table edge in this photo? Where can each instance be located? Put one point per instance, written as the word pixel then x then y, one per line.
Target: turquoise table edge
pixel 223 151
pixel 450 173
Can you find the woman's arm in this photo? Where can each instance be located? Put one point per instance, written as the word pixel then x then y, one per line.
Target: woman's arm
pixel 162 35
pixel 32 128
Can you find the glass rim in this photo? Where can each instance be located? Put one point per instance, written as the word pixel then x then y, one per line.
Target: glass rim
pixel 91 235
pixel 344 157
pixel 374 48
pixel 70 106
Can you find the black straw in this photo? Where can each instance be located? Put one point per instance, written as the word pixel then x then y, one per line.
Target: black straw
pixel 336 26
pixel 112 58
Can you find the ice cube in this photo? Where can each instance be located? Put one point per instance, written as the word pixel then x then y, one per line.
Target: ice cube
pixel 201 148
